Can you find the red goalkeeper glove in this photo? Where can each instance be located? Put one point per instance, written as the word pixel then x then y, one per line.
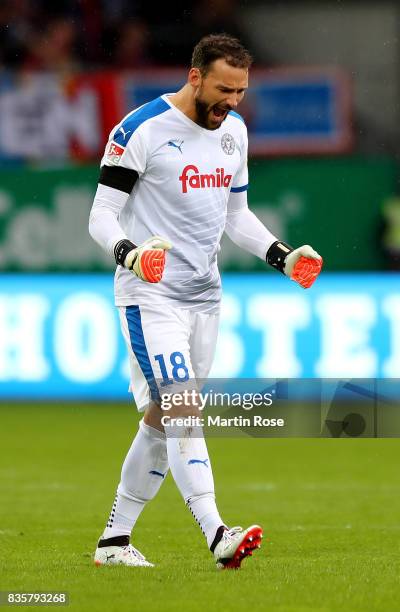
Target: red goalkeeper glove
pixel 147 260
pixel 301 265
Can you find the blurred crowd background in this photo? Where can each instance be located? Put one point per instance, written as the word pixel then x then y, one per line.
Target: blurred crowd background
pixel 81 35
pixel 77 34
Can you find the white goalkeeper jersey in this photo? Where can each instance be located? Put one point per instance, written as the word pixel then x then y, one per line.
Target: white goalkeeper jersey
pixel 186 174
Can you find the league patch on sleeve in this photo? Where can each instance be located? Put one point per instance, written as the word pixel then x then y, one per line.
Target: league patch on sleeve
pixel 114 153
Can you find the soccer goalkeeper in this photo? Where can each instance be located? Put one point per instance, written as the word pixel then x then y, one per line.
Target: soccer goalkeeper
pixel 173 178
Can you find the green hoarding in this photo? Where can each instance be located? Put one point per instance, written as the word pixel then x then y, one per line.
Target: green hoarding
pixel 333 204
pixel 44 220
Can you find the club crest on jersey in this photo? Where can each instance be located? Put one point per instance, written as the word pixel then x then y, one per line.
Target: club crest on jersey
pixel 228 144
pixel 195 180
pixel 114 153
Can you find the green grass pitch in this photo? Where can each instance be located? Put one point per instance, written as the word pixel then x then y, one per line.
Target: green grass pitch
pixel 330 511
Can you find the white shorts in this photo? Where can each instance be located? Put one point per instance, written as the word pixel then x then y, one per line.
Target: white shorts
pixel 169 349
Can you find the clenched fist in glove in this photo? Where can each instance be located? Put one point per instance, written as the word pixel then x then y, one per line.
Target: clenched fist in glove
pixel 301 265
pixel 147 260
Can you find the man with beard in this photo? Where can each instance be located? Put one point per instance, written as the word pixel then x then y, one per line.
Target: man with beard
pixel 174 178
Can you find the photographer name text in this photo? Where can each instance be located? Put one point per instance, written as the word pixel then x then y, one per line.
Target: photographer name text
pixel 219 421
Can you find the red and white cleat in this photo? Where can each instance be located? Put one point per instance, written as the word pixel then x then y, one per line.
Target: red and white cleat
pixel 235 545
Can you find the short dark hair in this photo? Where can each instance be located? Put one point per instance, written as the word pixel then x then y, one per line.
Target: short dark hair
pixel 220 46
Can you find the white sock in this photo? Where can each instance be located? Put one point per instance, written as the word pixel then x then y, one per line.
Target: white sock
pixel 190 466
pixel 143 473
